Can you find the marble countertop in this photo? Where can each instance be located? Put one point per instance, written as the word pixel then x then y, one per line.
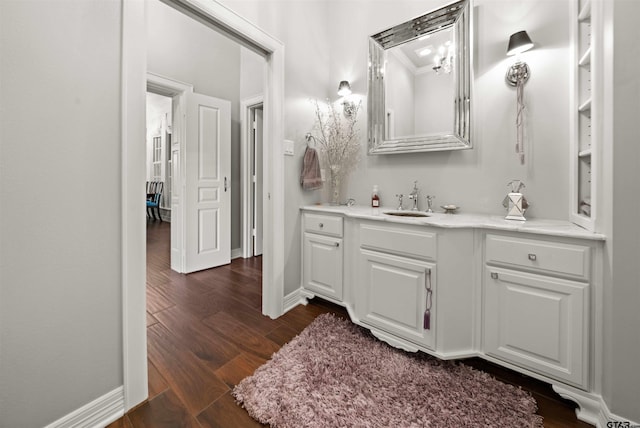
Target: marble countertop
pixel 464 220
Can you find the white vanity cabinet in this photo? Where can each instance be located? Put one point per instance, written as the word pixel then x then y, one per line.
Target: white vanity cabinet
pixel 323 256
pixel 396 290
pixel 524 295
pixel 536 305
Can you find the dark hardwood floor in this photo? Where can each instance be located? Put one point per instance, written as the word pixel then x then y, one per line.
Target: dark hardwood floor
pixel 205 333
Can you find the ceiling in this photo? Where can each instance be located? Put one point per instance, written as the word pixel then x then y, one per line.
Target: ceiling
pixel 411 50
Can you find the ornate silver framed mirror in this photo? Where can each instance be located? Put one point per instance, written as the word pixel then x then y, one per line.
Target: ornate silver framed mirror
pixel 419 84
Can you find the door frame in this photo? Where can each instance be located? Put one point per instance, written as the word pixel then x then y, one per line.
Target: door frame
pixel 133 89
pixel 174 88
pixel 247 208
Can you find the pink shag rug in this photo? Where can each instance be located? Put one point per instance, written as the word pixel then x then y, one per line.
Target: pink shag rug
pixel 335 374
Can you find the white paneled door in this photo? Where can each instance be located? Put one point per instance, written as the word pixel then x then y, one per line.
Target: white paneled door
pixel 207 199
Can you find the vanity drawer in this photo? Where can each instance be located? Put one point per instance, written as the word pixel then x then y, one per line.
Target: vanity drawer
pixel 411 242
pixel 550 257
pixel 324 224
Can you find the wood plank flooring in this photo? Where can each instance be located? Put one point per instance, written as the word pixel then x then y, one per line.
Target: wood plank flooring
pixel 205 333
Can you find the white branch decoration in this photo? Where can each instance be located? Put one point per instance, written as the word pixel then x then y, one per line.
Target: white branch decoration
pixel 338 144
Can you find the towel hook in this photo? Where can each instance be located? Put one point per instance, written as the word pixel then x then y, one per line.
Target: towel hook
pixel 310 137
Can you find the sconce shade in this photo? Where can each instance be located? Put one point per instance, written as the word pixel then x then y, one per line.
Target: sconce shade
pixel 519 42
pixel 344 88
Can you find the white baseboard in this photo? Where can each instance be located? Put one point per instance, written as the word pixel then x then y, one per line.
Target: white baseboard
pixel 606 417
pixel 96 414
pixel 236 253
pixel 592 408
pixel 295 298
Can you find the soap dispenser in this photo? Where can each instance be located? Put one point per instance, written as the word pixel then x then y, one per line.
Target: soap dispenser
pixel 375 199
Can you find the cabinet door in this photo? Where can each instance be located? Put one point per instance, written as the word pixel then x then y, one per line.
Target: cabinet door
pixel 537 322
pixel 322 265
pixel 394 296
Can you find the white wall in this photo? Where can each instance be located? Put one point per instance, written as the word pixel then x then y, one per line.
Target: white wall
pixel 186 50
pixel 620 209
pixel 252 67
pixel 60 224
pixel 453 176
pixel 302 27
pixel 313 70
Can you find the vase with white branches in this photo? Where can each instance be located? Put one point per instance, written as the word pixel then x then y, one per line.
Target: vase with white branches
pixel 338 143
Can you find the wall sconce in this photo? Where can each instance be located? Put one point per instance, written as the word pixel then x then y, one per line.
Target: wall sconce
pixel 344 90
pixel 518 43
pixel 516 76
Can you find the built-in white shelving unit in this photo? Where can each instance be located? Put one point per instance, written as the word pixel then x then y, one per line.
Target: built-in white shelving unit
pixel 584 137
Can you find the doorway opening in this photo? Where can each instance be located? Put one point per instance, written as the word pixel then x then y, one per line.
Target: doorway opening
pixel 164 97
pixel 215 15
pixel 210 195
pixel 158 146
pixel 252 113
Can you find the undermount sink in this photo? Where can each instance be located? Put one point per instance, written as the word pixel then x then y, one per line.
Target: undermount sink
pixel 407 213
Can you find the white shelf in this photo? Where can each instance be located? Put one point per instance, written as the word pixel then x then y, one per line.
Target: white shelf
pixel 585 12
pixel 586 33
pixel 585 60
pixel 585 106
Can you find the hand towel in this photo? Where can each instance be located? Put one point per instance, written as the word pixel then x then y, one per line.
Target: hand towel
pixel 310 177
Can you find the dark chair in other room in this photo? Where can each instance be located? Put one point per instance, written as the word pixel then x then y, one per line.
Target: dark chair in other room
pixel 154 196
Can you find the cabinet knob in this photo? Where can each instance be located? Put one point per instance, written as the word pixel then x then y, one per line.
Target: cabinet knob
pixel 494 275
pixel 532 257
pixel 337 244
pixel 321 225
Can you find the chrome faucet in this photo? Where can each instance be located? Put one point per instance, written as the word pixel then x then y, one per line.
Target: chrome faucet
pixel 414 195
pixel 400 196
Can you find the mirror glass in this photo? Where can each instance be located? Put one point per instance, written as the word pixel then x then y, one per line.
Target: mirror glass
pixel 420 83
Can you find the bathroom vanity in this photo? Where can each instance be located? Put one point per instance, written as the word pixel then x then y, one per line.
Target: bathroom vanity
pixel 525 295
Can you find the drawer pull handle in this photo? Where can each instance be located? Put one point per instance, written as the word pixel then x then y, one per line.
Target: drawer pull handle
pixel 494 275
pixel 321 225
pixel 337 244
pixel 532 257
